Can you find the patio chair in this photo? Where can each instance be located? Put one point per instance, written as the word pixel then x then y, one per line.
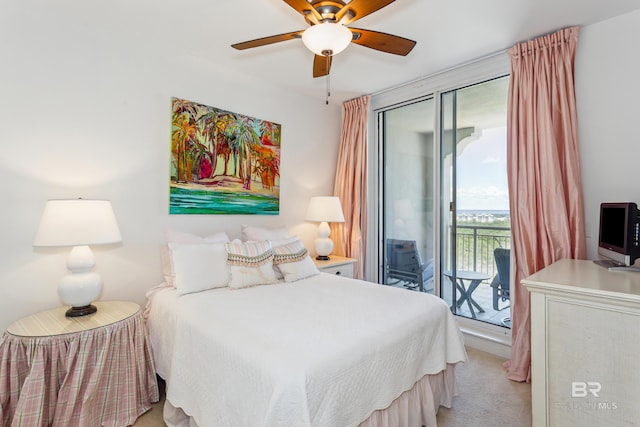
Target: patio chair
pixel 500 283
pixel 405 266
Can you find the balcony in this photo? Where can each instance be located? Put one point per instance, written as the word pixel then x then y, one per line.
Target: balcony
pixel 475 244
pixel 474 252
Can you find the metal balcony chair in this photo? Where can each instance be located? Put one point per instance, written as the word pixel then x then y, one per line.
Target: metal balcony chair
pixel 405 267
pixel 500 284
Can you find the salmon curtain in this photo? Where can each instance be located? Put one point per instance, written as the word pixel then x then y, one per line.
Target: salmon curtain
pixel 351 183
pixel 546 201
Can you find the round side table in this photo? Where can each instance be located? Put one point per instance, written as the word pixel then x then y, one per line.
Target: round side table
pixel 96 369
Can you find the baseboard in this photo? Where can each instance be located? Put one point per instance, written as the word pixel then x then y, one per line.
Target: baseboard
pixel 492 340
pixel 483 344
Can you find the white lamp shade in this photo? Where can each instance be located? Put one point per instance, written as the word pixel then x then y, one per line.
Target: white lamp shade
pixel 324 208
pixel 77 222
pixel 327 39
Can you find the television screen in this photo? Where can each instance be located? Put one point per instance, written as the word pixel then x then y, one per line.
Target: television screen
pixel 613 227
pixel 618 238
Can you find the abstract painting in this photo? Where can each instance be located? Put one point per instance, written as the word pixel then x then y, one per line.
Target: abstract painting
pixel 223 162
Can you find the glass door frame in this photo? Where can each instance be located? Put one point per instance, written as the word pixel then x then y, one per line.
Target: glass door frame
pixel 476 71
pixel 446 200
pixel 381 227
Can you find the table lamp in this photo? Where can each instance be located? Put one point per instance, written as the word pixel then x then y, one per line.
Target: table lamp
pixel 324 209
pixel 78 223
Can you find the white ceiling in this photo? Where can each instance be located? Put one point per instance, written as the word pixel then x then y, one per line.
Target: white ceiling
pixel 448 33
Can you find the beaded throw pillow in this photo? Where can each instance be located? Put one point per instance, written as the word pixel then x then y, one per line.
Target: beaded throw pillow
pixel 250 263
pixel 293 261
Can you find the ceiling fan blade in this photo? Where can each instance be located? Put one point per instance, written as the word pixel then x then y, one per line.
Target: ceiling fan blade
pixel 267 40
pixel 303 7
pixel 321 65
pixel 382 41
pixel 357 9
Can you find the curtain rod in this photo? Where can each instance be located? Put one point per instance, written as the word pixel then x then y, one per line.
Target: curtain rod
pixel 446 70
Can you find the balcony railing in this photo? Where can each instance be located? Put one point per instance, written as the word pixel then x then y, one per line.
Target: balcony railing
pixel 475 245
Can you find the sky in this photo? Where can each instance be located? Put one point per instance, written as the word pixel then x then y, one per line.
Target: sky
pixel 482 173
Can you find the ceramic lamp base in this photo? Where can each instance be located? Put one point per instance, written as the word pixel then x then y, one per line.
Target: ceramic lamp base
pixel 324 246
pixel 83 286
pixel 81 311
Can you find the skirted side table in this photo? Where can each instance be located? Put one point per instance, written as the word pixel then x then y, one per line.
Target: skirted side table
pixel 95 370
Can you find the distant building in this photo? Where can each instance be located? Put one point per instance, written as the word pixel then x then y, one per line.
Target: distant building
pixel 483 217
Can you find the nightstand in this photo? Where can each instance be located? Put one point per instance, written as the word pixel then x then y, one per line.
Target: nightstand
pixel 337 265
pixel 90 370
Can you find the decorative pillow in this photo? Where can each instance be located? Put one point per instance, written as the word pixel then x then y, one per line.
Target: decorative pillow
pixel 199 266
pixel 280 242
pixel 250 263
pixel 251 233
pixel 293 260
pixel 181 237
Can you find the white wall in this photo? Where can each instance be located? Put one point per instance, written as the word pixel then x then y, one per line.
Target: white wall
pixel 608 96
pixel 85 112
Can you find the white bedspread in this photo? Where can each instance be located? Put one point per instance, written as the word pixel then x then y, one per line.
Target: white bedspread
pixel 323 351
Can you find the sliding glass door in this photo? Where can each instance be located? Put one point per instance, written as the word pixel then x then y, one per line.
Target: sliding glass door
pixel 474 204
pixel 444 200
pixel 408 186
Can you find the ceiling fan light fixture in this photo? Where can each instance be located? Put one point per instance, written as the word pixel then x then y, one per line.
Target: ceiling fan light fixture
pixel 327 39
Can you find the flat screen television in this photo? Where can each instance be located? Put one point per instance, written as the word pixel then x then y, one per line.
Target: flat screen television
pixel 618 240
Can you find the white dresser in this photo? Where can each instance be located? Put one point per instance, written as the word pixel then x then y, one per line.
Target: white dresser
pixel 585 343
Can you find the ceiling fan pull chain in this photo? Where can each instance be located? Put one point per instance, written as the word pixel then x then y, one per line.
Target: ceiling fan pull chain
pixel 328 81
pixel 328 90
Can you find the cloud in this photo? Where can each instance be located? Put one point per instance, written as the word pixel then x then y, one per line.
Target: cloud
pixel 483 198
pixel 491 159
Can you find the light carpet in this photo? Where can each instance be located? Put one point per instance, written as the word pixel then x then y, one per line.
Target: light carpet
pixel 486 397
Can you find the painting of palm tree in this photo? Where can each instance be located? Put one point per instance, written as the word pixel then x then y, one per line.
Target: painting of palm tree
pixel 222 162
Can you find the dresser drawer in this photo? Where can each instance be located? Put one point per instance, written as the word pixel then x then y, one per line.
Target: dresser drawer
pixel 344 270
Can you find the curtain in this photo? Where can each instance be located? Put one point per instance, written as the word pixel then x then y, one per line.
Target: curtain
pixel 546 201
pixel 351 183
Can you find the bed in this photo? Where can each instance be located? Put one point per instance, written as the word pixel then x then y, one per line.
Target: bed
pixel 321 350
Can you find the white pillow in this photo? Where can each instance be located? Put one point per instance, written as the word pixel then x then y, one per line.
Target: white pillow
pixel 199 266
pixel 174 236
pixel 293 261
pixel 250 263
pixel 181 237
pixel 251 233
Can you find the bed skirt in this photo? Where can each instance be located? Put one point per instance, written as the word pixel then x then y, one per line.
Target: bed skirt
pixel 415 407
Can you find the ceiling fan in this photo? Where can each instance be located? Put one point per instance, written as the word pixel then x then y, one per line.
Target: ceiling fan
pixel 328 33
